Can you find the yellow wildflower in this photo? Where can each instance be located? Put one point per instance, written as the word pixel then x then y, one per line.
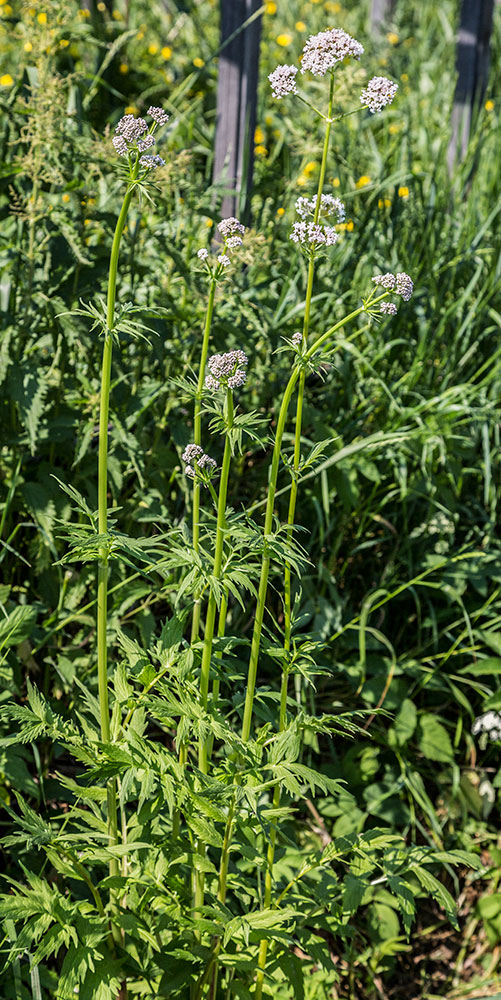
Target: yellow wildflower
pixel 65 197
pixel 260 150
pixel 84 12
pixel 489 105
pixel 198 62
pixel 42 18
pixel 302 180
pixel 363 181
pixel 271 8
pixel 258 135
pixel 63 43
pixel 28 47
pixel 394 129
pixel 153 49
pixel 300 26
pixel 166 52
pixel 280 211
pixel 284 40
pixel 131 109
pixel 310 168
pixel 6 80
pixel 101 7
pixel 403 192
pixel 404 77
pixel 117 15
pixel 392 38
pixel 123 69
pixel 335 182
pixel 209 223
pixel 350 225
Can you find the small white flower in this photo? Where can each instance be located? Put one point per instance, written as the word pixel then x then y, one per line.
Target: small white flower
pixel 224 260
pixel 202 254
pixel 322 52
pixel 159 115
pixel 283 81
pixel 230 227
pixel 378 93
pixel 389 308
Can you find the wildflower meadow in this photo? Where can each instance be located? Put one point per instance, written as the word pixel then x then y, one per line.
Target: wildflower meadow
pixel 250 602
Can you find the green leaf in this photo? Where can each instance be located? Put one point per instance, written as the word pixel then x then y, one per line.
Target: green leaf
pixel 405 900
pixel 405 723
pixel 434 741
pixel 438 892
pixel 354 889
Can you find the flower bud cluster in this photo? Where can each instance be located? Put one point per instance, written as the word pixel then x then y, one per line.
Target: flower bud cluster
pixel 312 235
pixel 490 723
pixel 378 93
pixel 388 308
pixel 227 370
pixel 324 51
pixel 197 461
pixel 232 232
pixel 283 81
pixel 297 338
pixel 329 205
pixel 132 135
pixel 399 283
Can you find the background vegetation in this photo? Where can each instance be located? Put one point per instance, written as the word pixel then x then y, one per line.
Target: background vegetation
pixel 400 520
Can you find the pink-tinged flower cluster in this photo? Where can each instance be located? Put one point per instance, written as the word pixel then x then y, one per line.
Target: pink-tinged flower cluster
pixel 388 308
pixel 378 93
pixel 283 81
pixel 324 51
pixel 232 231
pixel 132 135
pixel 198 462
pixel 313 235
pixel 226 370
pixel 329 205
pixel 401 284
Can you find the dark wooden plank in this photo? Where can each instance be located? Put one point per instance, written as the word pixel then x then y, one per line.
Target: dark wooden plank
pixel 472 66
pixel 236 104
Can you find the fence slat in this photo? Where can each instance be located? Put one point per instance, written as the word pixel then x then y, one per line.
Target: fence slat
pixel 237 104
pixel 381 13
pixel 472 66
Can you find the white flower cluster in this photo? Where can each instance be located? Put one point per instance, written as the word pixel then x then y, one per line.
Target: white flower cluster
pixel 389 308
pixel 329 205
pixel 130 136
pixel 159 115
pixel 283 81
pixel 232 231
pixel 322 52
pixel 399 283
pixel 490 723
pixel 297 338
pixel 230 227
pixel 226 370
pixel 151 161
pixel 196 460
pixel 312 235
pixel 378 93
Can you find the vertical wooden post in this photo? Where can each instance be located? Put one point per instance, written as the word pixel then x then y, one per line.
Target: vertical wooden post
pixel 472 66
pixel 236 104
pixel 381 12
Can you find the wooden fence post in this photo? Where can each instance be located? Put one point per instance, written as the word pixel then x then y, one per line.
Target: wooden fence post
pixel 237 104
pixel 472 66
pixel 381 12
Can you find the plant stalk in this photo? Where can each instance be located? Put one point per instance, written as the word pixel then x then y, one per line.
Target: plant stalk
pixel 102 573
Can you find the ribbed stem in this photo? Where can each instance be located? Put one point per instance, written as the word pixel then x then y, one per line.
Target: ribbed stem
pixel 102 491
pixel 197 439
pixel 211 614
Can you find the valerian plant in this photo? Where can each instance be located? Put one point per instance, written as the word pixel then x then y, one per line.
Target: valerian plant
pixel 172 867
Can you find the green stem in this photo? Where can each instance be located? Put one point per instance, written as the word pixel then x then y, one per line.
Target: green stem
pixel 270 858
pixel 197 439
pixel 211 614
pixel 102 490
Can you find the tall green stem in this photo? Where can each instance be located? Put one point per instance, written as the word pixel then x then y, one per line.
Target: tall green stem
pixel 268 885
pixel 211 612
pixel 102 491
pixel 197 439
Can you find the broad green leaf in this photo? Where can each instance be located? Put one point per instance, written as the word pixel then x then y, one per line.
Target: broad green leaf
pixel 434 740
